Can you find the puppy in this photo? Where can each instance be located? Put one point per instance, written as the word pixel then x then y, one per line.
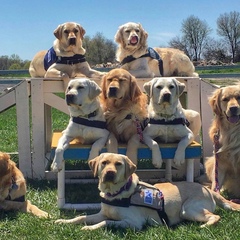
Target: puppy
pixel 66 59
pixel 167 120
pixel 224 133
pixel 87 122
pixel 125 107
pixel 135 56
pixel 13 189
pixel 127 202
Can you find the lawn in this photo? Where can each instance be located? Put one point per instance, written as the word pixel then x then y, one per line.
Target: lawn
pixel 16 225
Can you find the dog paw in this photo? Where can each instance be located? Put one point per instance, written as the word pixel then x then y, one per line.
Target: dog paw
pixel 56 167
pixel 60 221
pixel 179 160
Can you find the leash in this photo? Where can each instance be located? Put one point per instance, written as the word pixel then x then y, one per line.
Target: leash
pixel 216 148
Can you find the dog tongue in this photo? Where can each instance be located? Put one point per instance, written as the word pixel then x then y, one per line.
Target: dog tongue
pixel 134 40
pixel 233 119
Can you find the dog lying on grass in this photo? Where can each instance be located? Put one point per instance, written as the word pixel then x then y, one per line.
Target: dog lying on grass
pixel 127 202
pixel 13 189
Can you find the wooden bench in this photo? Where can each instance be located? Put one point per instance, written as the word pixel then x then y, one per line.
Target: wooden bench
pixel 79 151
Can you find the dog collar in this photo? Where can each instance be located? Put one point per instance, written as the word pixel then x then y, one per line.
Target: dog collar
pixel 150 53
pixel 175 121
pixel 126 187
pixel 14 186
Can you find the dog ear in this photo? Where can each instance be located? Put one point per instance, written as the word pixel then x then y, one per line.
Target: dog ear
pixel 94 90
pixel 135 90
pixel 93 164
pixel 119 35
pixel 130 167
pixel 57 32
pixel 104 87
pixel 4 163
pixel 148 87
pixel 214 101
pixel 144 36
pixel 180 86
pixel 81 30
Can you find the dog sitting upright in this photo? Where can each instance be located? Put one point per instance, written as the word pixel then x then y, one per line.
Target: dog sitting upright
pixel 168 121
pixel 87 122
pixel 13 188
pixel 128 202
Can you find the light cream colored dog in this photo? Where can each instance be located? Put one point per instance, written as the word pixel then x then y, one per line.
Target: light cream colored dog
pixel 120 192
pixel 67 57
pixel 132 49
pixel 168 121
pixel 87 122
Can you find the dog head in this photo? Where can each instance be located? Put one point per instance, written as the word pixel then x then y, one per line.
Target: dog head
pixel 131 35
pixel 225 102
pixel 112 168
pixel 6 171
pixel 119 84
pixel 164 91
pixel 70 35
pixel 81 92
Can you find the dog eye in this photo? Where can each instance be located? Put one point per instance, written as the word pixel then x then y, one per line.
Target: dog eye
pixel 118 164
pixel 104 163
pixel 80 87
pixel 159 87
pixel 66 31
pixel 75 31
pixel 127 31
pixel 225 99
pixel 137 30
pixel 171 87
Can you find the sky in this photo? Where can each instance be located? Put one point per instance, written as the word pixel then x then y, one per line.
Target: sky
pixel 27 26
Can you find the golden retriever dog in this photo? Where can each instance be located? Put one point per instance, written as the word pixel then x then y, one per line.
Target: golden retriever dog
pixel 127 202
pixel 168 122
pixel 135 56
pixel 224 133
pixel 13 189
pixel 66 59
pixel 87 123
pixel 125 109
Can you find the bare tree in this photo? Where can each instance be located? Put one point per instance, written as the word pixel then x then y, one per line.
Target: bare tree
pixel 195 33
pixel 228 26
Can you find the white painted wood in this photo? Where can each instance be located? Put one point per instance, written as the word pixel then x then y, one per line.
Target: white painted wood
pixel 38 129
pixel 7 100
pixel 56 102
pixel 23 126
pixel 207 116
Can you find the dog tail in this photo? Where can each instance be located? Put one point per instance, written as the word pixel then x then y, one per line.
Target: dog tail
pixel 224 203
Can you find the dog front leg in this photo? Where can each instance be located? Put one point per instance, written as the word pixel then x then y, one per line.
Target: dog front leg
pixel 112 144
pixel 156 154
pixel 63 144
pixel 97 146
pixel 132 148
pixel 179 157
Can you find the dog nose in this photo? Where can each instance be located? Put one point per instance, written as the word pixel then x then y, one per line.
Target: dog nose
pixel 234 110
pixel 72 41
pixel 166 97
pixel 112 92
pixel 69 99
pixel 110 176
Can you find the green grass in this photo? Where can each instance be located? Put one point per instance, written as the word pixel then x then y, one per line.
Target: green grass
pixel 21 226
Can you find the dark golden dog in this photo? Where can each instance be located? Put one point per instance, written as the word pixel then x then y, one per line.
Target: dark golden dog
pixel 13 188
pixel 127 203
pixel 224 131
pixel 125 107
